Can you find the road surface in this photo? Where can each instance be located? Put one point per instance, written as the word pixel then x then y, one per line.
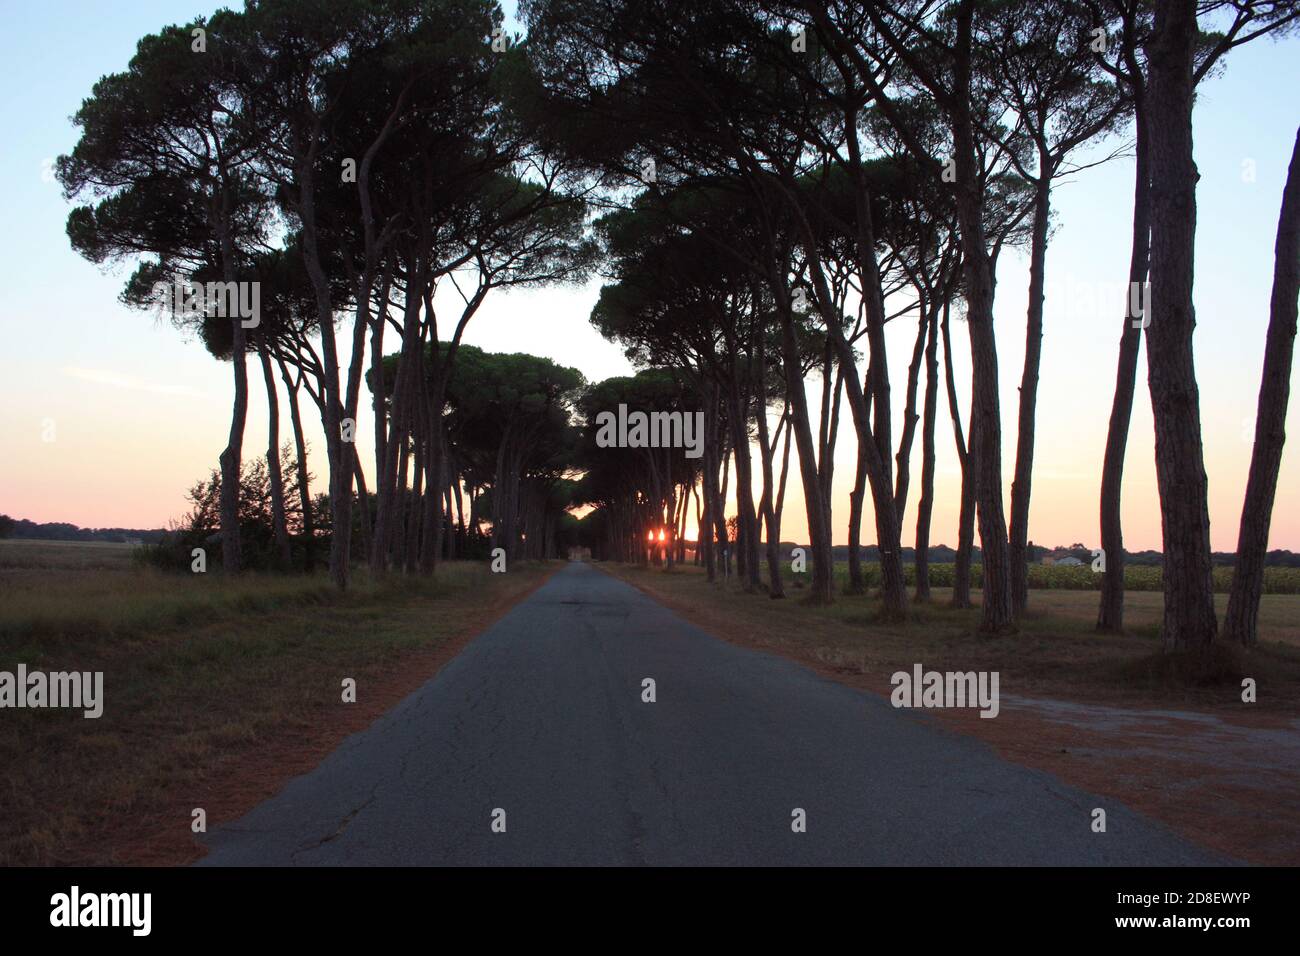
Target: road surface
pixel 542 717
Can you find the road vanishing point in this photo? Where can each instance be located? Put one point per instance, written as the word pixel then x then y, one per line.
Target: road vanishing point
pixel 542 717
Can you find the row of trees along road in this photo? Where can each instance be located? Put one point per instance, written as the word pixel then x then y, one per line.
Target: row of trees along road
pixel 351 156
pixel 767 188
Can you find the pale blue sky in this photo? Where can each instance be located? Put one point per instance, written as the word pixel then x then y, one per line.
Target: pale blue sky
pixel 140 414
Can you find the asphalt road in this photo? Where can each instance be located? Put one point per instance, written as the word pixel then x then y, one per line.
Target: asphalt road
pixel 542 717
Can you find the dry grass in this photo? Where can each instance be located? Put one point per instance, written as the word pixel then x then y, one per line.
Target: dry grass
pixel 1056 652
pixel 199 672
pixel 1279 614
pixel 21 553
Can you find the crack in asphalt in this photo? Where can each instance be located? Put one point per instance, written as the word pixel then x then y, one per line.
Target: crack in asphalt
pixel 338 831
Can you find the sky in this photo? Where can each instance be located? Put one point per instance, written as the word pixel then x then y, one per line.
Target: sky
pixel 112 415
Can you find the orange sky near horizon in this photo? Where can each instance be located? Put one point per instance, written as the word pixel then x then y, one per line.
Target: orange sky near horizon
pixel 124 449
pixel 135 415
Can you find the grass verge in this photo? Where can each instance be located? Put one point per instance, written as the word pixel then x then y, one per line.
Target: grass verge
pixel 1055 653
pixel 216 692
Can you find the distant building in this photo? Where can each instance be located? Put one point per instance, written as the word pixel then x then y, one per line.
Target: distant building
pixel 1070 562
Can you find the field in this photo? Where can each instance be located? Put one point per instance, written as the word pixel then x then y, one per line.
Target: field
pixel 22 554
pixel 1070 594
pixel 1137 577
pixel 1056 651
pixel 216 691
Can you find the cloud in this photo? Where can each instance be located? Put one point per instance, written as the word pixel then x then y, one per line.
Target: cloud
pixel 118 380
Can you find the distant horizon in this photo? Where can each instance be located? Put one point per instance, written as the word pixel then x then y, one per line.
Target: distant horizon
pixel 689 539
pixel 142 413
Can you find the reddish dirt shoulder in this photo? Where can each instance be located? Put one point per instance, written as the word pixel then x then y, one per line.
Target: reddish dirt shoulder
pixel 259 774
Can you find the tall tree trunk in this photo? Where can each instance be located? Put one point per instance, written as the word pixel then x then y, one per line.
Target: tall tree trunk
pixel 397 534
pixel 384 480
pixel 925 506
pixel 966 517
pixel 389 505
pixel 231 458
pixel 363 501
pixel 747 534
pixel 431 403
pixel 1017 550
pixel 986 447
pixel 451 501
pixel 705 539
pixel 903 469
pixel 279 523
pixel 893 589
pixel 304 479
pixel 818 532
pixel 773 545
pixel 1190 621
pixel 986 416
pixel 670 513
pixel 829 383
pixel 1110 612
pixel 709 480
pixel 415 497
pixel 720 513
pixel 340 460
pixel 856 583
pixel 826 464
pixel 435 487
pixel 1240 624
pixel 781 485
